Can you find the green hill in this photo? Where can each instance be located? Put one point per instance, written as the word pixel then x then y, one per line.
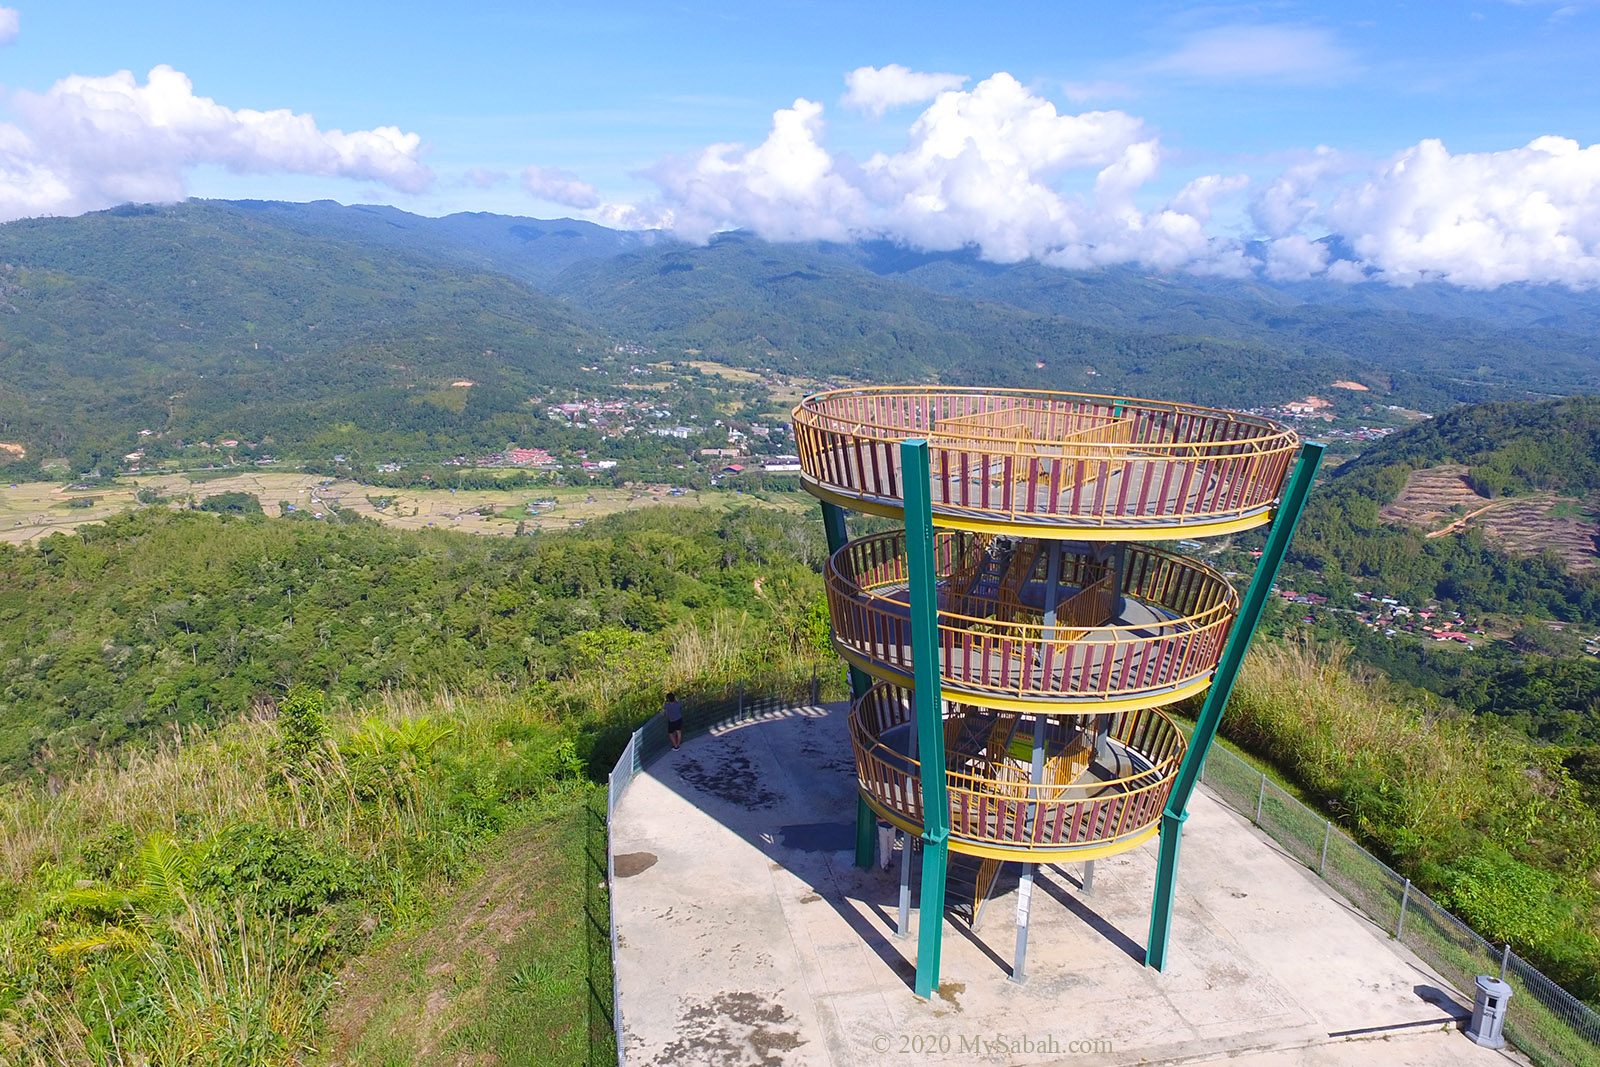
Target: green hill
pixel 1386 524
pixel 1504 448
pixel 204 321
pixel 315 329
pixel 797 307
pixel 160 618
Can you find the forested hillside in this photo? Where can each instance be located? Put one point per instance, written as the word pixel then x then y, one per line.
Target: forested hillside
pixel 785 306
pixel 1507 448
pixel 309 331
pixel 1531 611
pixel 206 322
pixel 160 619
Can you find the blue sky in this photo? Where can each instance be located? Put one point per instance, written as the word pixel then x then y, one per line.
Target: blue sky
pixel 598 96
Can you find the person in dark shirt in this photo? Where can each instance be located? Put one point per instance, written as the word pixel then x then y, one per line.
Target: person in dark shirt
pixel 673 709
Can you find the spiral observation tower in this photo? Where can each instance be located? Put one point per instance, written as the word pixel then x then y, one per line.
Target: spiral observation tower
pixel 1014 646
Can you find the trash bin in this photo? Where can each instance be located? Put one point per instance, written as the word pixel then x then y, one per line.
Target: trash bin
pixel 1489 1012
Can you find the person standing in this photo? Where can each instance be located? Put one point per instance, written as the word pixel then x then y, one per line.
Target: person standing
pixel 673 710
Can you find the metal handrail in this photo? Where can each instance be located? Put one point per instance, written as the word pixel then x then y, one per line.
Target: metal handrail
pixel 1269 435
pixel 1024 659
pixel 1144 465
pixel 1047 816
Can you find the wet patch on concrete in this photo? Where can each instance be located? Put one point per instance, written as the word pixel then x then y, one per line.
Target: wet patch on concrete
pixel 628 864
pixel 818 836
pixel 732 778
pixel 733 1030
pixel 949 991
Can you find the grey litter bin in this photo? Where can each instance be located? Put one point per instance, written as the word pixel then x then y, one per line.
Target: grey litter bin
pixel 1489 1012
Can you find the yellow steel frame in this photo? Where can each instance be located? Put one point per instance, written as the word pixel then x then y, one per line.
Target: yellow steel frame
pixel 1023 855
pixel 1021 527
pixel 1000 702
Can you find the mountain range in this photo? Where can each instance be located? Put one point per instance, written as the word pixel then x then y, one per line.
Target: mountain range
pixel 283 321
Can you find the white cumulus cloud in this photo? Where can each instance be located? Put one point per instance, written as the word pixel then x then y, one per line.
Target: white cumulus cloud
pixel 10 25
pixel 879 89
pixel 559 187
pixel 90 142
pixel 484 177
pixel 1295 258
pixel 981 167
pixel 999 168
pixel 1478 219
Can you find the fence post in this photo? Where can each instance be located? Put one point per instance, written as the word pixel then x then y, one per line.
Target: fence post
pixel 1327 835
pixel 1405 898
pixel 1261 796
pixel 1505 961
pixel 741 700
pixel 814 685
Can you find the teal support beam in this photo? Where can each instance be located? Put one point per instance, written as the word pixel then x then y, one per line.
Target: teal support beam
pixel 838 534
pixel 866 834
pixel 929 706
pixel 1205 727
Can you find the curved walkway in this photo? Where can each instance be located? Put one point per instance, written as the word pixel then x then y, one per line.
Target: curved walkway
pixel 747 937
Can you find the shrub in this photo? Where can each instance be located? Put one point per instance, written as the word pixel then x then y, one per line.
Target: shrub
pixel 272 870
pixel 302 727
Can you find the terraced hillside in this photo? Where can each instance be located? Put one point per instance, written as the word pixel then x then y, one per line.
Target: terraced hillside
pixel 1441 500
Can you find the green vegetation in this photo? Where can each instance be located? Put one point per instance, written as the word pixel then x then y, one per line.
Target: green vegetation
pixel 232 504
pixel 521 954
pixel 304 332
pixel 158 619
pixel 1508 448
pixel 1539 679
pixel 821 308
pixel 174 894
pixel 1468 809
pixel 194 904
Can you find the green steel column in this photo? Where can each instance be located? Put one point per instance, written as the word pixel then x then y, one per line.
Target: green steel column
pixel 833 525
pixel 929 711
pixel 1205 727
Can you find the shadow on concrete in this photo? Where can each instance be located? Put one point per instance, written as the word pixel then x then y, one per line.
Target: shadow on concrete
pixel 1088 916
pixel 784 782
pixel 1439 998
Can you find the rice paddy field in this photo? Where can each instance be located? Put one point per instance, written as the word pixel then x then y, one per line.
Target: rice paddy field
pixel 31 510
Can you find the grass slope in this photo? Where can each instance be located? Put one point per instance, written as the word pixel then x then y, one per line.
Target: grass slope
pixel 514 969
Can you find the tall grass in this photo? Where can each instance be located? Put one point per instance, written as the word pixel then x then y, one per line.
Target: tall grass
pixel 1465 807
pixel 189 902
pixel 99 969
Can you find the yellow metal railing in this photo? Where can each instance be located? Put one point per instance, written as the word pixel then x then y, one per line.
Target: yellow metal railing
pixel 1058 459
pixel 1012 814
pixel 1082 657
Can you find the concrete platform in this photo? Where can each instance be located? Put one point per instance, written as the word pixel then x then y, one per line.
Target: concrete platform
pixel 747 937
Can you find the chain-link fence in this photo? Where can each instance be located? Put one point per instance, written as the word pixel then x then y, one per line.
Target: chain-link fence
pixel 1546 1022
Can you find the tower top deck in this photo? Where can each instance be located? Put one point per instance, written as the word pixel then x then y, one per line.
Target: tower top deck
pixel 1047 464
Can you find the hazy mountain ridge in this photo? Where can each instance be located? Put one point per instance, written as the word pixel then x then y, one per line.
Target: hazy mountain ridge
pixel 271 319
